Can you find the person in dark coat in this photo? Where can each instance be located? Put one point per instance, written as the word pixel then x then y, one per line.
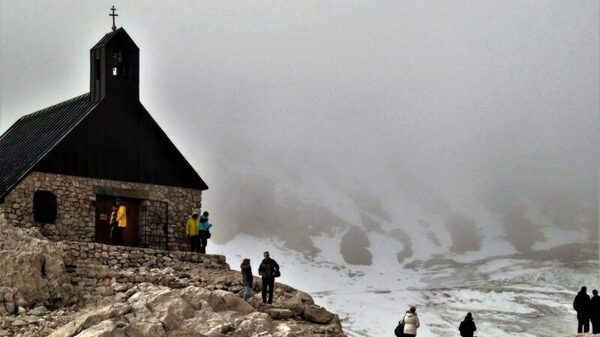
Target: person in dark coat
pixel 268 269
pixel 581 304
pixel 113 224
pixel 247 277
pixel 467 327
pixel 595 312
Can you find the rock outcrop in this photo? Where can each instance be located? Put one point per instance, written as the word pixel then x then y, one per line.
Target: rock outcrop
pixel 170 298
pixel 158 311
pixel 33 272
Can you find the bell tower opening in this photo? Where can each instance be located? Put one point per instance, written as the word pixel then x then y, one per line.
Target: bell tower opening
pixel 119 64
pixel 97 69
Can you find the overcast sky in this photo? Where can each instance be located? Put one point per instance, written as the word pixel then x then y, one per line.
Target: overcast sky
pixel 441 102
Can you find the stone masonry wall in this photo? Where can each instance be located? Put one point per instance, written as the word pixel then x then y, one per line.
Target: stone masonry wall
pixel 105 270
pixel 76 205
pixel 122 257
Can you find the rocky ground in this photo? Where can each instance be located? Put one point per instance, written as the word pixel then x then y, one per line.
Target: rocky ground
pixel 39 296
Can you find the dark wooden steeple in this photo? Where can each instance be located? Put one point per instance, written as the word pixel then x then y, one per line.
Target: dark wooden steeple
pixel 115 67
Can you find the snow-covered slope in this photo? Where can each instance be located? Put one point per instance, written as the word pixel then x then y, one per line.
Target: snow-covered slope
pixel 508 295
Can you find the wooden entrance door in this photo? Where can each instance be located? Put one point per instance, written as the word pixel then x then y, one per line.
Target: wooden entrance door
pixel 103 209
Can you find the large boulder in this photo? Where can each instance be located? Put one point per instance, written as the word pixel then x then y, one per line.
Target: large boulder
pixel 297 302
pixel 108 328
pixel 317 314
pixel 218 300
pixel 224 300
pixel 91 319
pixel 170 309
pixel 144 323
pixel 32 271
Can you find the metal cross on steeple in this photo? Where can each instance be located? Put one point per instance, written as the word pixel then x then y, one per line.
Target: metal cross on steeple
pixel 113 9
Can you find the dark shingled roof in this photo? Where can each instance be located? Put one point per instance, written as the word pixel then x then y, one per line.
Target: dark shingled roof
pixel 27 141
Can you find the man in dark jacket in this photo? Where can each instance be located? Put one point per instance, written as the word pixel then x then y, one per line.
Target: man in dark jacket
pixel 268 269
pixel 595 312
pixel 467 327
pixel 581 304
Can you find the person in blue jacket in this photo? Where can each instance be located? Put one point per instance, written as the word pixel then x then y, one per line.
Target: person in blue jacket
pixel 204 232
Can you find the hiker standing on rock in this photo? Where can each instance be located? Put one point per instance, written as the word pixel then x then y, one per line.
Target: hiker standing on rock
pixel 247 277
pixel 581 304
pixel 411 322
pixel 269 270
pixel 204 232
pixel 595 312
pixel 467 327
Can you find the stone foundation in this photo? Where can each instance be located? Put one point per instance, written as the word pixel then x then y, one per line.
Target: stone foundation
pixel 76 199
pixel 121 257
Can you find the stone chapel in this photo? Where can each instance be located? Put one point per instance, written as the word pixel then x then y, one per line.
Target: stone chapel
pixel 61 168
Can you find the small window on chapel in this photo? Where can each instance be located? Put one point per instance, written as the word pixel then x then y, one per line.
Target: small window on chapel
pixel 44 207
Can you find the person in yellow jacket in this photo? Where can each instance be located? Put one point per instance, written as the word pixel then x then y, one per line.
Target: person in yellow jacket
pixel 191 231
pixel 121 222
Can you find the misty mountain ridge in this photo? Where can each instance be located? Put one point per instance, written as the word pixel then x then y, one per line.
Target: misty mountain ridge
pixel 295 210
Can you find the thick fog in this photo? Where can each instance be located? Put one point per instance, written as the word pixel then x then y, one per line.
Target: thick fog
pixel 310 117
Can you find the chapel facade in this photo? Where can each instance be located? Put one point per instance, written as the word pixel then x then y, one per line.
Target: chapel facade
pixel 63 167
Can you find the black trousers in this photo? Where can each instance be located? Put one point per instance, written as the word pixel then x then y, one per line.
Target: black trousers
pixel 203 243
pixel 267 286
pixel 194 243
pixel 118 236
pixel 583 325
pixel 595 325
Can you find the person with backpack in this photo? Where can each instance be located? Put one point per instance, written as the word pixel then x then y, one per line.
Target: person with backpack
pixel 247 278
pixel 411 322
pixel 581 304
pixel 204 232
pixel 467 327
pixel 269 270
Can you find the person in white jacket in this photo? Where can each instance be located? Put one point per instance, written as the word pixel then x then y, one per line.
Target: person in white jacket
pixel 411 322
